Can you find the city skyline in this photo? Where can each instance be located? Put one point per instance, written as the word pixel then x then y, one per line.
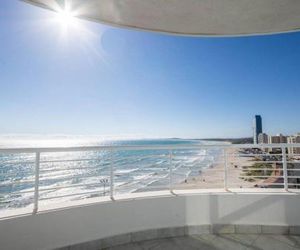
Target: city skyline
pixel 261 137
pixel 120 82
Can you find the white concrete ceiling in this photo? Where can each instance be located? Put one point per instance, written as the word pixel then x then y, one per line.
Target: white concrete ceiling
pixel 190 17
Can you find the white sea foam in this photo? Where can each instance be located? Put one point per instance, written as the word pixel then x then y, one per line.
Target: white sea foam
pixel 126 171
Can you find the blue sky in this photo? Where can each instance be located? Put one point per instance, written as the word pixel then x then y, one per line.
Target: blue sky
pixel 99 80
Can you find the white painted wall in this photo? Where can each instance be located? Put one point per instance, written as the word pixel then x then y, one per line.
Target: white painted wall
pixel 247 209
pixel 54 229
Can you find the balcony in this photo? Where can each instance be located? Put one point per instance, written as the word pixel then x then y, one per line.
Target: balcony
pixel 107 196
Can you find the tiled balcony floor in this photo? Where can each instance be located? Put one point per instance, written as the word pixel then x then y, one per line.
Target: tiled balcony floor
pixel 214 242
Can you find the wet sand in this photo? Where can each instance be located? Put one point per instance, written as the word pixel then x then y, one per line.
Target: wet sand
pixel 213 177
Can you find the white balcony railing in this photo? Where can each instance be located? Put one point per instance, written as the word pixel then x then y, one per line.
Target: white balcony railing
pixel 30 176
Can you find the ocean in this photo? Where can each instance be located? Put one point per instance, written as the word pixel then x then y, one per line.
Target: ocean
pixel 71 176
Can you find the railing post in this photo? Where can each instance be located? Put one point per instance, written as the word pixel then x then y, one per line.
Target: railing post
pixel 225 169
pixel 36 183
pixel 170 172
pixel 112 176
pixel 284 166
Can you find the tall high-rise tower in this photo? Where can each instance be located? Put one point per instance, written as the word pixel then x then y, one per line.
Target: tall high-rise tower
pixel 257 128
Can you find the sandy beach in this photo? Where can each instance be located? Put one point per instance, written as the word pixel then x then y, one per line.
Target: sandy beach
pixel 213 177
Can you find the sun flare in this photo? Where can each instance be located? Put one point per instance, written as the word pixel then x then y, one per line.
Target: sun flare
pixel 70 31
pixel 66 18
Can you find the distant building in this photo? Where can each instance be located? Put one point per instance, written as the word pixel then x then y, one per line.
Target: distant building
pixel 263 138
pixel 294 139
pixel 257 128
pixel 274 139
pixel 277 139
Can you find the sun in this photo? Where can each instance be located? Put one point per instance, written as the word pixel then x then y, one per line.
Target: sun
pixel 67 27
pixel 65 18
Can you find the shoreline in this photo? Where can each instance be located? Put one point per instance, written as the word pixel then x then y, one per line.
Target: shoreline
pixel 213 177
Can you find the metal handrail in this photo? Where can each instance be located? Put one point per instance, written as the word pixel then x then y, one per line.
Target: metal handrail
pixel 284 161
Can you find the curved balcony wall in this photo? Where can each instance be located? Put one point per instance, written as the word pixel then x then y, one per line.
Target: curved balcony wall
pixel 117 222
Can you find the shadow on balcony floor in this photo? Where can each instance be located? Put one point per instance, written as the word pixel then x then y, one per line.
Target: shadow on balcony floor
pixel 214 242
